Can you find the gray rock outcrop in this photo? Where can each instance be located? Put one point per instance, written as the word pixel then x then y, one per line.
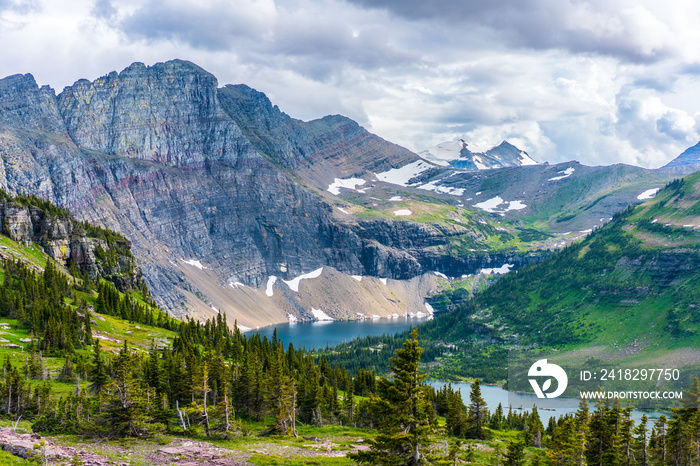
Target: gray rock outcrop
pixel 186 170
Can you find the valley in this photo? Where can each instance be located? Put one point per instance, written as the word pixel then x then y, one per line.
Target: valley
pixel 151 221
pixel 220 177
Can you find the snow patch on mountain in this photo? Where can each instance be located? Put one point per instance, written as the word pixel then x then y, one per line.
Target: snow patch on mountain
pixel 402 213
pixel 194 263
pixel 347 183
pixel 401 176
pixel 320 315
pixel 270 283
pixel 444 152
pixel 293 284
pixel 526 159
pixel 566 173
pixel 432 186
pixel 648 194
pixel 496 205
pixel 505 268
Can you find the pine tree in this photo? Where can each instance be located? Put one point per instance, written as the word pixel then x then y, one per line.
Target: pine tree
pixel 281 393
pixel 98 372
pixel 640 454
pixel 455 418
pixel 477 413
pixel 125 413
pixel 658 441
pixel 88 327
pixel 566 444
pixel 515 454
pixel 404 416
pixel 534 429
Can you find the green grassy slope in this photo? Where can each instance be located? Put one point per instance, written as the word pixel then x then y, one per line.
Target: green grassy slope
pixel 629 290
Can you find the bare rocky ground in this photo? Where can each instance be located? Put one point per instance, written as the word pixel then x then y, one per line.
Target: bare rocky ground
pixel 168 451
pixel 178 452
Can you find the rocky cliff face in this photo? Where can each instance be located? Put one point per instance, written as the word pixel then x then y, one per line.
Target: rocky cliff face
pixel 190 172
pixel 66 242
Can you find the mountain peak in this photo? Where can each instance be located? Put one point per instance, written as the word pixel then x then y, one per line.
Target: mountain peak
pixel 455 154
pixel 690 156
pixel 24 104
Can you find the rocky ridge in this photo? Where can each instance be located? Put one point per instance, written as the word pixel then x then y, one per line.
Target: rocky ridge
pixel 192 173
pixel 455 154
pixel 689 157
pixel 155 153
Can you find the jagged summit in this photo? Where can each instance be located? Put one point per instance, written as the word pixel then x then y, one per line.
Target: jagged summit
pixel 225 198
pixel 456 154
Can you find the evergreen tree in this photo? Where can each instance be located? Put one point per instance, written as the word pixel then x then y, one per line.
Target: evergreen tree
pixel 515 454
pixel 125 412
pixel 640 455
pixel 281 393
pixel 658 442
pixel 565 447
pixel 405 418
pixel 534 429
pixel 98 373
pixel 88 327
pixel 455 417
pixel 477 412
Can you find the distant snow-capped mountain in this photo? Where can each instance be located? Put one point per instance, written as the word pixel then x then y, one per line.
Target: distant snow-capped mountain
pixel 455 154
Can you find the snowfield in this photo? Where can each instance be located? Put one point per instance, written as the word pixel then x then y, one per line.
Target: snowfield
pixel 648 194
pixel 347 183
pixel 402 213
pixel 525 159
pixel 444 152
pixel 270 283
pixel 496 205
pixel 401 176
pixel 293 284
pixel 432 186
pixel 320 315
pixel 566 173
pixel 505 268
pixel 194 262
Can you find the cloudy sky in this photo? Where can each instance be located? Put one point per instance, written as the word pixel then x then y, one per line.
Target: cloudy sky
pixel 596 81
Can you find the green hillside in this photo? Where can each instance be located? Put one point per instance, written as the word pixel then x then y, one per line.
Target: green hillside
pixel 630 289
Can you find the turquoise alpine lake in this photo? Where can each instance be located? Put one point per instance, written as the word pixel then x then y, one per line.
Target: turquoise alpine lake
pixel 333 332
pixel 329 333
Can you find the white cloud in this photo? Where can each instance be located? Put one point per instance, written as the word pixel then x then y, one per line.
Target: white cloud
pixel 596 81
